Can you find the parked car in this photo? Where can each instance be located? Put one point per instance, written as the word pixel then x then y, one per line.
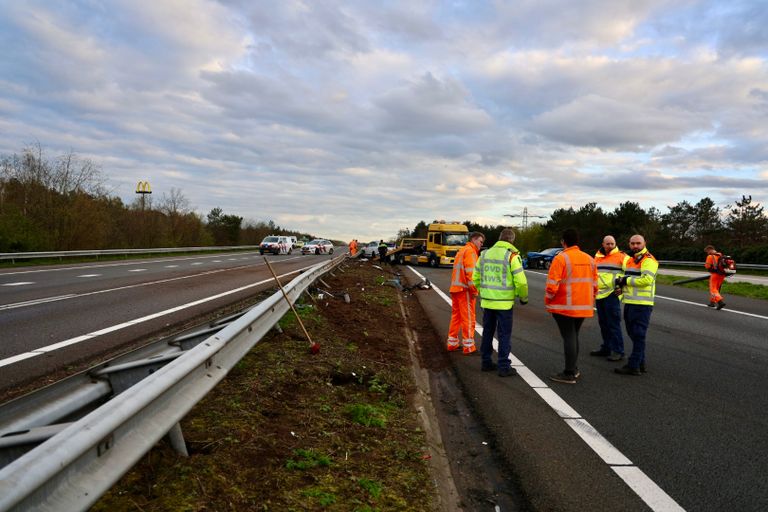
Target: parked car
pixel 298 244
pixel 276 245
pixel 371 249
pixel 317 246
pixel 541 259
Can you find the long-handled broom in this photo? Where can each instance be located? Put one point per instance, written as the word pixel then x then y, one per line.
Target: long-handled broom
pixel 313 346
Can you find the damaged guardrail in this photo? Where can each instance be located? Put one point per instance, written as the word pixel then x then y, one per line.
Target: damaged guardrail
pixel 72 469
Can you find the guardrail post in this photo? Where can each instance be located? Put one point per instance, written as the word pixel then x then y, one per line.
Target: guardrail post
pixel 176 438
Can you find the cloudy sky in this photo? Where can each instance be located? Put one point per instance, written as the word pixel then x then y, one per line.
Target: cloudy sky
pixel 354 119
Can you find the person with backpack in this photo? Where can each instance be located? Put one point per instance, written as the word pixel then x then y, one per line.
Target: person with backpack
pixel 717 274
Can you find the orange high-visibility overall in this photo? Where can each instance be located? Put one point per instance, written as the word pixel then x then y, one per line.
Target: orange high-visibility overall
pixel 463 295
pixel 715 278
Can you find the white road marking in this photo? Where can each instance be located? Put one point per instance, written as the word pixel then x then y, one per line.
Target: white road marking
pixel 35 302
pixel 726 310
pixel 90 275
pixel 137 270
pixel 20 283
pixel 74 295
pixel 91 335
pixel 105 265
pixel 198 263
pixel 653 495
pixel 171 266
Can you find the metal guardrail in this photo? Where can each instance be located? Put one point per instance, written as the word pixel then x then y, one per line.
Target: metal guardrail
pixel 13 256
pixel 751 266
pixel 72 469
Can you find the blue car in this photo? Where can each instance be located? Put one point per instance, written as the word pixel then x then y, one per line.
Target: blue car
pixel 541 259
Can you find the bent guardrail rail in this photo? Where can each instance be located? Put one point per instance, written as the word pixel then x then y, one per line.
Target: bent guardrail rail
pixel 72 469
pixel 13 256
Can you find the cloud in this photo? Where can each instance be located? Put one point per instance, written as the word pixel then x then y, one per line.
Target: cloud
pixel 431 107
pixel 607 123
pixel 357 119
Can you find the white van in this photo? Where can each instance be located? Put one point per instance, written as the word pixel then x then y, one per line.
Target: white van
pixel 276 245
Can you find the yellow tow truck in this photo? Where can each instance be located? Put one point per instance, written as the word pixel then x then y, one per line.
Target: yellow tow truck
pixel 444 239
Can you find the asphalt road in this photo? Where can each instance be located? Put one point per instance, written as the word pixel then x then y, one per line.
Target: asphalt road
pixel 695 424
pixel 53 316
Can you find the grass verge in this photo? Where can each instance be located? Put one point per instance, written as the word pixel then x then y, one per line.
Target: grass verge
pixel 291 431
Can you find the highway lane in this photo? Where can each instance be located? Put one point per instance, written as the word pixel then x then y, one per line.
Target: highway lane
pixel 62 317
pixel 695 424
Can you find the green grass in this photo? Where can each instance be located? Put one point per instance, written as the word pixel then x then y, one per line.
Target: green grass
pixel 307 459
pixel 367 415
pixel 751 290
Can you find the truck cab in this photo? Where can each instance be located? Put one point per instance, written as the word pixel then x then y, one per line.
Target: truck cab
pixel 444 239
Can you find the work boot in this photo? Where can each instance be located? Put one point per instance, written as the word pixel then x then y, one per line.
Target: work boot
pixel 642 368
pixel 627 370
pixel 507 372
pixel 488 367
pixel 720 304
pixel 711 304
pixel 565 378
pixel 615 357
pixel 600 353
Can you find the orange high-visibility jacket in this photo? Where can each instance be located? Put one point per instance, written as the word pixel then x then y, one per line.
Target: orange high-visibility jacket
pixel 608 267
pixel 571 284
pixel 463 268
pixel 711 263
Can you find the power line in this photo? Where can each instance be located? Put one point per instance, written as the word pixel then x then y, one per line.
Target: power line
pixel 525 215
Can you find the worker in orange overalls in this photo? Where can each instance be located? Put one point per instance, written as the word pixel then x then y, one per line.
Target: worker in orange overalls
pixel 463 295
pixel 716 277
pixel 353 247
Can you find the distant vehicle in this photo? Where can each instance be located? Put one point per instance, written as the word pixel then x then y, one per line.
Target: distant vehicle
pixel 276 245
pixel 294 240
pixel 443 242
pixel 298 244
pixel 541 259
pixel 371 249
pixel 317 246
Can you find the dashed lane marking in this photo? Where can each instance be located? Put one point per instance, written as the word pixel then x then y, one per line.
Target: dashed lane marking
pixel 137 270
pixel 128 287
pixel 90 275
pixel 648 491
pixel 20 283
pixel 72 341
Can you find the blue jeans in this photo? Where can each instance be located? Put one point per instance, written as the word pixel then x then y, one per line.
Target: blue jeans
pixel 609 317
pixel 493 319
pixel 636 319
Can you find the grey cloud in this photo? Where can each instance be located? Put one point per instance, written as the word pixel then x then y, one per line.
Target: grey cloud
pixel 606 123
pixel 431 107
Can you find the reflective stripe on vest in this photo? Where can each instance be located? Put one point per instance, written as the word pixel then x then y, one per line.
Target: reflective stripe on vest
pixel 568 281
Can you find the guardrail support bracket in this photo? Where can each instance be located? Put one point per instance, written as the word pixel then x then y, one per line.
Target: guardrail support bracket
pixel 176 438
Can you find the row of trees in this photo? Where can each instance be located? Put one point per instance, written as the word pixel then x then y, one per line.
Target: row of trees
pixel 61 203
pixel 741 229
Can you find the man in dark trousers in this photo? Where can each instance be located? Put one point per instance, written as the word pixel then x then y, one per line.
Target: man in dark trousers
pixel 383 251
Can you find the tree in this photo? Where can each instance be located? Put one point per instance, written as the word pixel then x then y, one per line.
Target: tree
pixel 678 223
pixel 747 223
pixel 707 225
pixel 224 228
